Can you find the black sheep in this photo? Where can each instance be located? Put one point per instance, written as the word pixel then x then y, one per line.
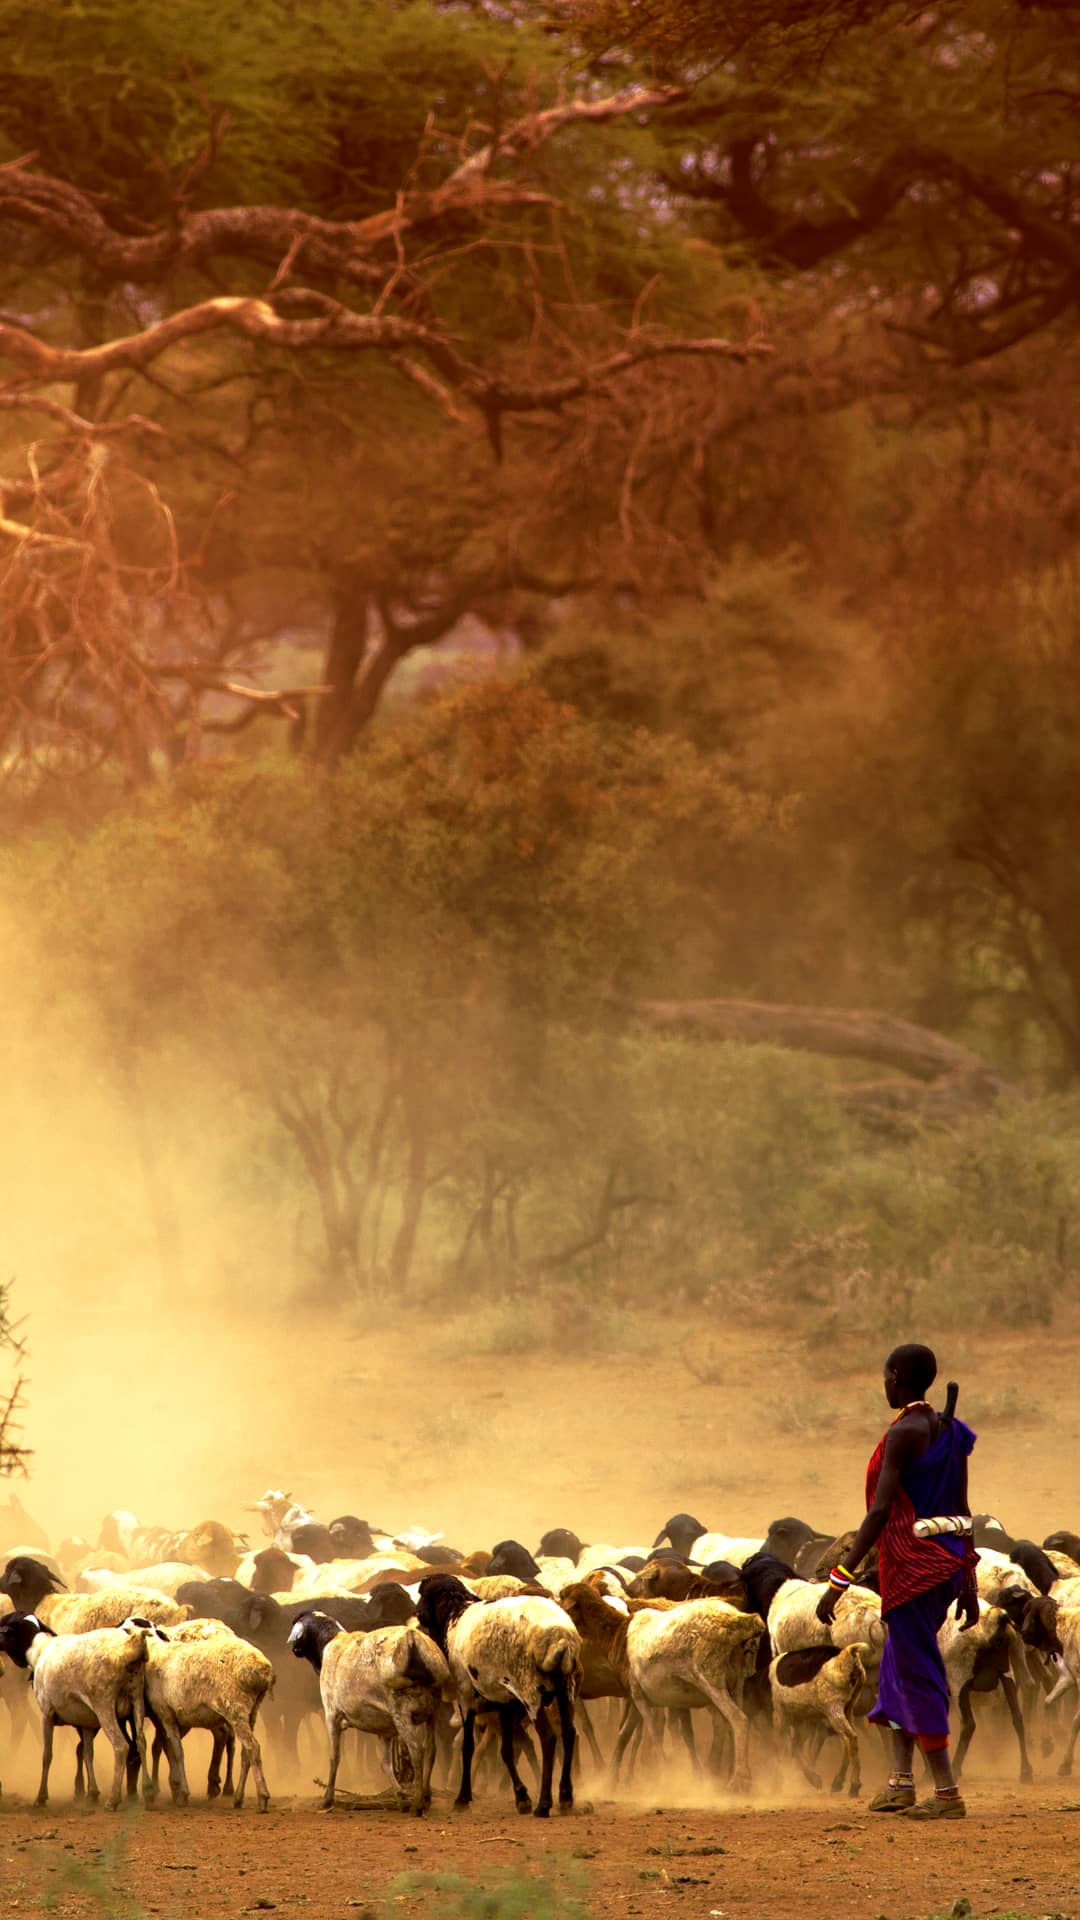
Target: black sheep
pixel 510 1557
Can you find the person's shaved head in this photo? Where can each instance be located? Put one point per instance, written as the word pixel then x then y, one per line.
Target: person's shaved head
pixel 915 1370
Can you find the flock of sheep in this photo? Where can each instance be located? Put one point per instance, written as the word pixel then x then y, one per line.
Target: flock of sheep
pixel 441 1655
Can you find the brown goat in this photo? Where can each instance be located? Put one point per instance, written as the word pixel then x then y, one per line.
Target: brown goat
pixel 664 1580
pixel 474 1564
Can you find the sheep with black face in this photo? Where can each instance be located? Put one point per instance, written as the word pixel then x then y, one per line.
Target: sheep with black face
pixel 92 1681
pixel 387 1682
pixel 519 1655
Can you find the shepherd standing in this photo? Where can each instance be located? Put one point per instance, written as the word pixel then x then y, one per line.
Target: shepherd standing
pixel 918 1472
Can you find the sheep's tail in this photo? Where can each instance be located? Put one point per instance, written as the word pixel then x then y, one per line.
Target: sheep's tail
pixel 752 1634
pixel 952 1394
pixel 419 1662
pixel 560 1659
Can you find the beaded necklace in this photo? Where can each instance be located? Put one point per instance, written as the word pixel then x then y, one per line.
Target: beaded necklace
pixel 911 1407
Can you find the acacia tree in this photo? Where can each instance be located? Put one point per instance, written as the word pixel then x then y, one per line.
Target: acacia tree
pixel 928 154
pixel 901 182
pixel 377 962
pixel 280 289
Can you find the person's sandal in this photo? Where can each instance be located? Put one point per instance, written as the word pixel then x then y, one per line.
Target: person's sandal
pixel 893 1800
pixel 936 1809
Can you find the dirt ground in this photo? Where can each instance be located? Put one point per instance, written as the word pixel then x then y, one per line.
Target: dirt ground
pixel 1018 1852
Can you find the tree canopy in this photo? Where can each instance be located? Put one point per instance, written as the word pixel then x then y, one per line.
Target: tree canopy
pixel 514 515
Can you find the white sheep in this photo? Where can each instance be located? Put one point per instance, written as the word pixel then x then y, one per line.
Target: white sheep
pixel 84 1612
pixel 212 1680
pixel 815 1684
pixel 788 1605
pixel 1064 1567
pixel 591 1558
pixel 1068 1631
pixel 514 1654
pixel 679 1657
pixel 979 1659
pixel 734 1548
pixel 387 1682
pixel 162 1579
pixel 700 1654
pixel 31 1588
pixel 556 1572
pixel 357 1576
pixel 995 1571
pixel 92 1681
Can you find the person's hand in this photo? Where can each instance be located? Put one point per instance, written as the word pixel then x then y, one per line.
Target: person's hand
pixel 967 1607
pixel 827 1605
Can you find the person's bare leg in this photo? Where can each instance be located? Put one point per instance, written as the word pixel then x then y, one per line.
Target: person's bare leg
pixel 899 1795
pixel 903 1754
pixel 940 1765
pixel 946 1802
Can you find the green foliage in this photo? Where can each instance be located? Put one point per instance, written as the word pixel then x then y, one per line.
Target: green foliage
pixel 452 1896
pixel 380 957
pixel 327 104
pixel 96 1884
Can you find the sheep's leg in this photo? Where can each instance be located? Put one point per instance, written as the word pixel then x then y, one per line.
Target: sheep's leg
pixel 740 1730
pixel 781 1725
pixel 631 1724
pixel 508 1717
pixel 174 1748
pixel 223 1744
pixel 251 1759
pixel 137 1765
pixel 48 1722
pixel 86 1785
pixel 681 1717
pixel 428 1754
pixel 468 1743
pixel 720 1758
pixel 118 1740
pixel 156 1751
pixel 547 1764
pixel 419 1736
pixel 806 1750
pixel 1070 1747
pixel 127 1727
pixel 582 1713
pixel 526 1752
pixel 565 1704
pixel 967 1718
pixel 1008 1688
pixel 334 1725
pixel 444 1740
pixel 86 1742
pixel 845 1732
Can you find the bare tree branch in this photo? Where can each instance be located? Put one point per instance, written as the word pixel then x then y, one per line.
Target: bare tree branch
pixel 339 249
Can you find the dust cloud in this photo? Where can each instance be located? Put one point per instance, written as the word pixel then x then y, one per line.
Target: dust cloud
pixel 181 1381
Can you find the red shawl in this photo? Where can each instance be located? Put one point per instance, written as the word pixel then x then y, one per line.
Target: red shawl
pixel 907 1565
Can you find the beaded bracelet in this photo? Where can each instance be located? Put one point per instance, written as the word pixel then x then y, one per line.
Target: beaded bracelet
pixel 841 1579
